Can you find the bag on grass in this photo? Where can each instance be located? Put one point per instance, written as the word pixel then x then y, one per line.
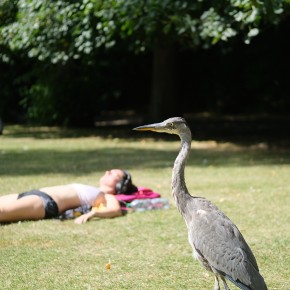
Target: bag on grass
pixel 142 193
pixel 74 213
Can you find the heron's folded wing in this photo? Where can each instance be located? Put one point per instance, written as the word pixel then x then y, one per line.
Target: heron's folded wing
pixel 221 244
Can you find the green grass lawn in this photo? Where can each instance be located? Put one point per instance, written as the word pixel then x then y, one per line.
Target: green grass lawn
pixel 147 250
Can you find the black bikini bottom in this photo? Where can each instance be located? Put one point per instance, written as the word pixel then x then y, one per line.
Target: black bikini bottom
pixel 50 206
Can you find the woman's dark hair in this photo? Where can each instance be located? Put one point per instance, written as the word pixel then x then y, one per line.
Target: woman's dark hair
pixel 125 186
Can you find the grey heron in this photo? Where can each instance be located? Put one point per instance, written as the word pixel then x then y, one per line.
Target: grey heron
pixel 216 241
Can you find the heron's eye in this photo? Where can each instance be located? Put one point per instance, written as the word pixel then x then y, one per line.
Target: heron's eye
pixel 170 126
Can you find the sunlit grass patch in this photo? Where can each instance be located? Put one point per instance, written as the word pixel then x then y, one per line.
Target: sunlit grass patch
pixel 146 250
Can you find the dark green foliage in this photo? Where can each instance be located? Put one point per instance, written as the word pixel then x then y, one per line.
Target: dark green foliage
pixel 63 62
pixel 62 30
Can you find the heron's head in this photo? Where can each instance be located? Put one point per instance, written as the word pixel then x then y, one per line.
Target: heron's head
pixel 175 125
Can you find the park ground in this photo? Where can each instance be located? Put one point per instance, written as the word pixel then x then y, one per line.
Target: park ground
pixel 244 171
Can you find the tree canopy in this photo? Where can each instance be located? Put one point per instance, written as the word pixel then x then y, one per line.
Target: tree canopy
pixel 55 34
pixel 68 29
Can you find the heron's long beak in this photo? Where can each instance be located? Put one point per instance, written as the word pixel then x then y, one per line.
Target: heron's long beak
pixel 150 127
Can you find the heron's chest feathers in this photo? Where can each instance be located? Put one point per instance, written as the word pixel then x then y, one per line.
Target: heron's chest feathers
pixel 199 256
pixel 196 255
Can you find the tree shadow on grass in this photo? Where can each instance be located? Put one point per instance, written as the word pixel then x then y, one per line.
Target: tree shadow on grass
pixel 269 147
pixel 80 162
pixel 241 130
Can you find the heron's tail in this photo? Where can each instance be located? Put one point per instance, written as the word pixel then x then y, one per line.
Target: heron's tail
pixel 258 283
pixel 238 283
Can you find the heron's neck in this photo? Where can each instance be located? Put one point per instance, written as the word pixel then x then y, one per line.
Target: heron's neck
pixel 179 189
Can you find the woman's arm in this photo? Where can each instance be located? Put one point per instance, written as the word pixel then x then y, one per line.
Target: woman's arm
pixel 110 208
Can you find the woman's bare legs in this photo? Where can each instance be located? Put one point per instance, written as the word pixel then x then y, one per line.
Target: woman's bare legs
pixel 6 199
pixel 26 208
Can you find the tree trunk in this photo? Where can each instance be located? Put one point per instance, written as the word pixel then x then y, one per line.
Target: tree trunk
pixel 1 126
pixel 163 103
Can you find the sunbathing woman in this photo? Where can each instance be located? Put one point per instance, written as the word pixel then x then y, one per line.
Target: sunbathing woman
pixel 50 202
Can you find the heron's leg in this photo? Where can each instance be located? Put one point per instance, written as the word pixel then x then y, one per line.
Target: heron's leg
pixel 225 283
pixel 216 283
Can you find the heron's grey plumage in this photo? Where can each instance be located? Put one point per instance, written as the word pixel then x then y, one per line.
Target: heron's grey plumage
pixel 216 242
